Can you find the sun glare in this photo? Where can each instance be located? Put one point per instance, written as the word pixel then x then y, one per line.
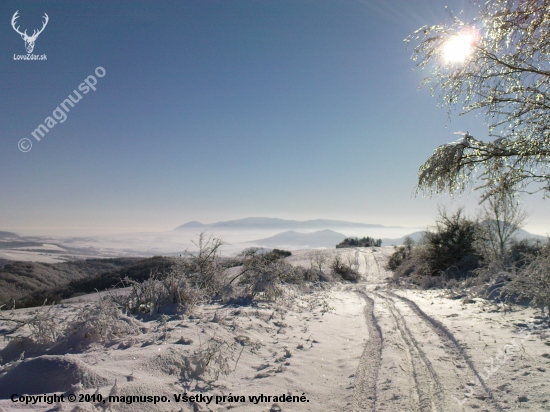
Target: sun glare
pixel 458 47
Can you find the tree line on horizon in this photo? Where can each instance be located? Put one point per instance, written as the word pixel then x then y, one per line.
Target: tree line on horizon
pixel 356 242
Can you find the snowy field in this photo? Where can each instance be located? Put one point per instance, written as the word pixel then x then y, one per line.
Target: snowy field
pixel 65 248
pixel 350 347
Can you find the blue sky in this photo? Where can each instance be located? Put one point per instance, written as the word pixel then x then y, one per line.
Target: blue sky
pixel 216 110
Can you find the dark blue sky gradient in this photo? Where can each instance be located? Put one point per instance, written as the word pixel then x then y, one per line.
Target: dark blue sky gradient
pixel 215 110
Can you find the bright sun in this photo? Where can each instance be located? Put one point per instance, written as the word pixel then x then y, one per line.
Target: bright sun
pixel 458 47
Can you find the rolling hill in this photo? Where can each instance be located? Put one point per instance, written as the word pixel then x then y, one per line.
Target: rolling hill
pixel 30 282
pixel 322 238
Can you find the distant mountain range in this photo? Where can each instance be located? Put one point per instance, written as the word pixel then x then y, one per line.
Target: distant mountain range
pixel 8 235
pixel 329 239
pixel 399 241
pixel 274 223
pixel 322 238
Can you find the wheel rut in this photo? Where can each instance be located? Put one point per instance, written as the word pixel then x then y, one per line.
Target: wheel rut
pixel 366 375
pixel 411 362
pixel 453 345
pixel 426 382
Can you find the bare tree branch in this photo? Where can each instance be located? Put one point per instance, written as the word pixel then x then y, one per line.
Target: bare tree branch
pixel 507 78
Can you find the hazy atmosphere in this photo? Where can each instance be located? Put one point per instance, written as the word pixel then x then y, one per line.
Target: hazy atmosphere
pixel 274 205
pixel 220 110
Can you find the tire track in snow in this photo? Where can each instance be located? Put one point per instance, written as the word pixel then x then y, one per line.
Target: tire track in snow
pixel 451 341
pixel 411 362
pixel 427 385
pixel 366 375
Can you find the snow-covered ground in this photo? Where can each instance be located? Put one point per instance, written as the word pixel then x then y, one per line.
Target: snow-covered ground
pixel 59 249
pixel 355 347
pixel 30 256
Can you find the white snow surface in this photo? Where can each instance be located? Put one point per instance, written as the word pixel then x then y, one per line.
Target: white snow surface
pixel 350 347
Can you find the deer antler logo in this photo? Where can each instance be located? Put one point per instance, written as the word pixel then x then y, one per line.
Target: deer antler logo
pixel 29 40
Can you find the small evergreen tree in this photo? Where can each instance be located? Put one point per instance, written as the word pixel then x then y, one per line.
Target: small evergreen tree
pixel 356 242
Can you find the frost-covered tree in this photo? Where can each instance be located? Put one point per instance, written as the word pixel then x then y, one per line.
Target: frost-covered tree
pixel 500 220
pixel 497 65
